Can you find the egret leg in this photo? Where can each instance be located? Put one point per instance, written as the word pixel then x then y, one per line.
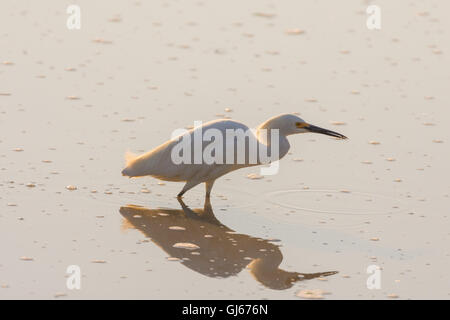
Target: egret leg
pixel 209 185
pixel 189 185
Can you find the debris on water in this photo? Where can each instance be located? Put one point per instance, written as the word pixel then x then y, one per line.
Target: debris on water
pixel 102 41
pixel 423 14
pixel 173 259
pixel 228 110
pixel 30 185
pixel 311 294
pixel 374 142
pixel 59 295
pixel 73 98
pixel 186 245
pixel 161 184
pixel 264 15
pixel 116 19
pixel 438 141
pixel 390 159
pixel 177 228
pixel 17 150
pixel 338 123
pixel 398 180
pixel 11 204
pixel 392 296
pixel 98 261
pixel 295 31
pixel 8 63
pixel 374 239
pixel 71 188
pixel 313 100
pixel 26 258
pixel 255 176
pixel 145 191
pixel 366 162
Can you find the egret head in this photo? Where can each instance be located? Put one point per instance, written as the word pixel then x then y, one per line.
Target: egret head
pixel 291 124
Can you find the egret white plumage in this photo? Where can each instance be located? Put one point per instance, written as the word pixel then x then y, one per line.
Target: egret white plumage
pixel 159 162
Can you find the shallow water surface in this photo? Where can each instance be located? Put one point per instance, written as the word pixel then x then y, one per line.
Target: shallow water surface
pixel 72 102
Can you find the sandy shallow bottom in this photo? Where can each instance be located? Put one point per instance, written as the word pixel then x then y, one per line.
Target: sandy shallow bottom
pixel 73 101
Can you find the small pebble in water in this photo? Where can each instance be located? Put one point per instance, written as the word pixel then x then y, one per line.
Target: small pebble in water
pixel 311 294
pixel 255 176
pixel 264 15
pixel 295 31
pixel 177 228
pixel 71 188
pixel 186 245
pixel 26 258
pixel 173 259
pixel 98 261
pixel 338 123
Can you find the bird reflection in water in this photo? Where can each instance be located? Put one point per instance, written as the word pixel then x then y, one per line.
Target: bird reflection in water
pixel 205 245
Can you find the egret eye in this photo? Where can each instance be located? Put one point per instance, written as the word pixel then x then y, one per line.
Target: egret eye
pixel 301 124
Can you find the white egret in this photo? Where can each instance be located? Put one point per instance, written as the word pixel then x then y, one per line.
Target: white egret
pixel 159 162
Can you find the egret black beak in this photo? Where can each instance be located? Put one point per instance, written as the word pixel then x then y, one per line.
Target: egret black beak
pixel 327 132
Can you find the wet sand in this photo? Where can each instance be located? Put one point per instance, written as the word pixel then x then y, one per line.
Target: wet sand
pixel 72 102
